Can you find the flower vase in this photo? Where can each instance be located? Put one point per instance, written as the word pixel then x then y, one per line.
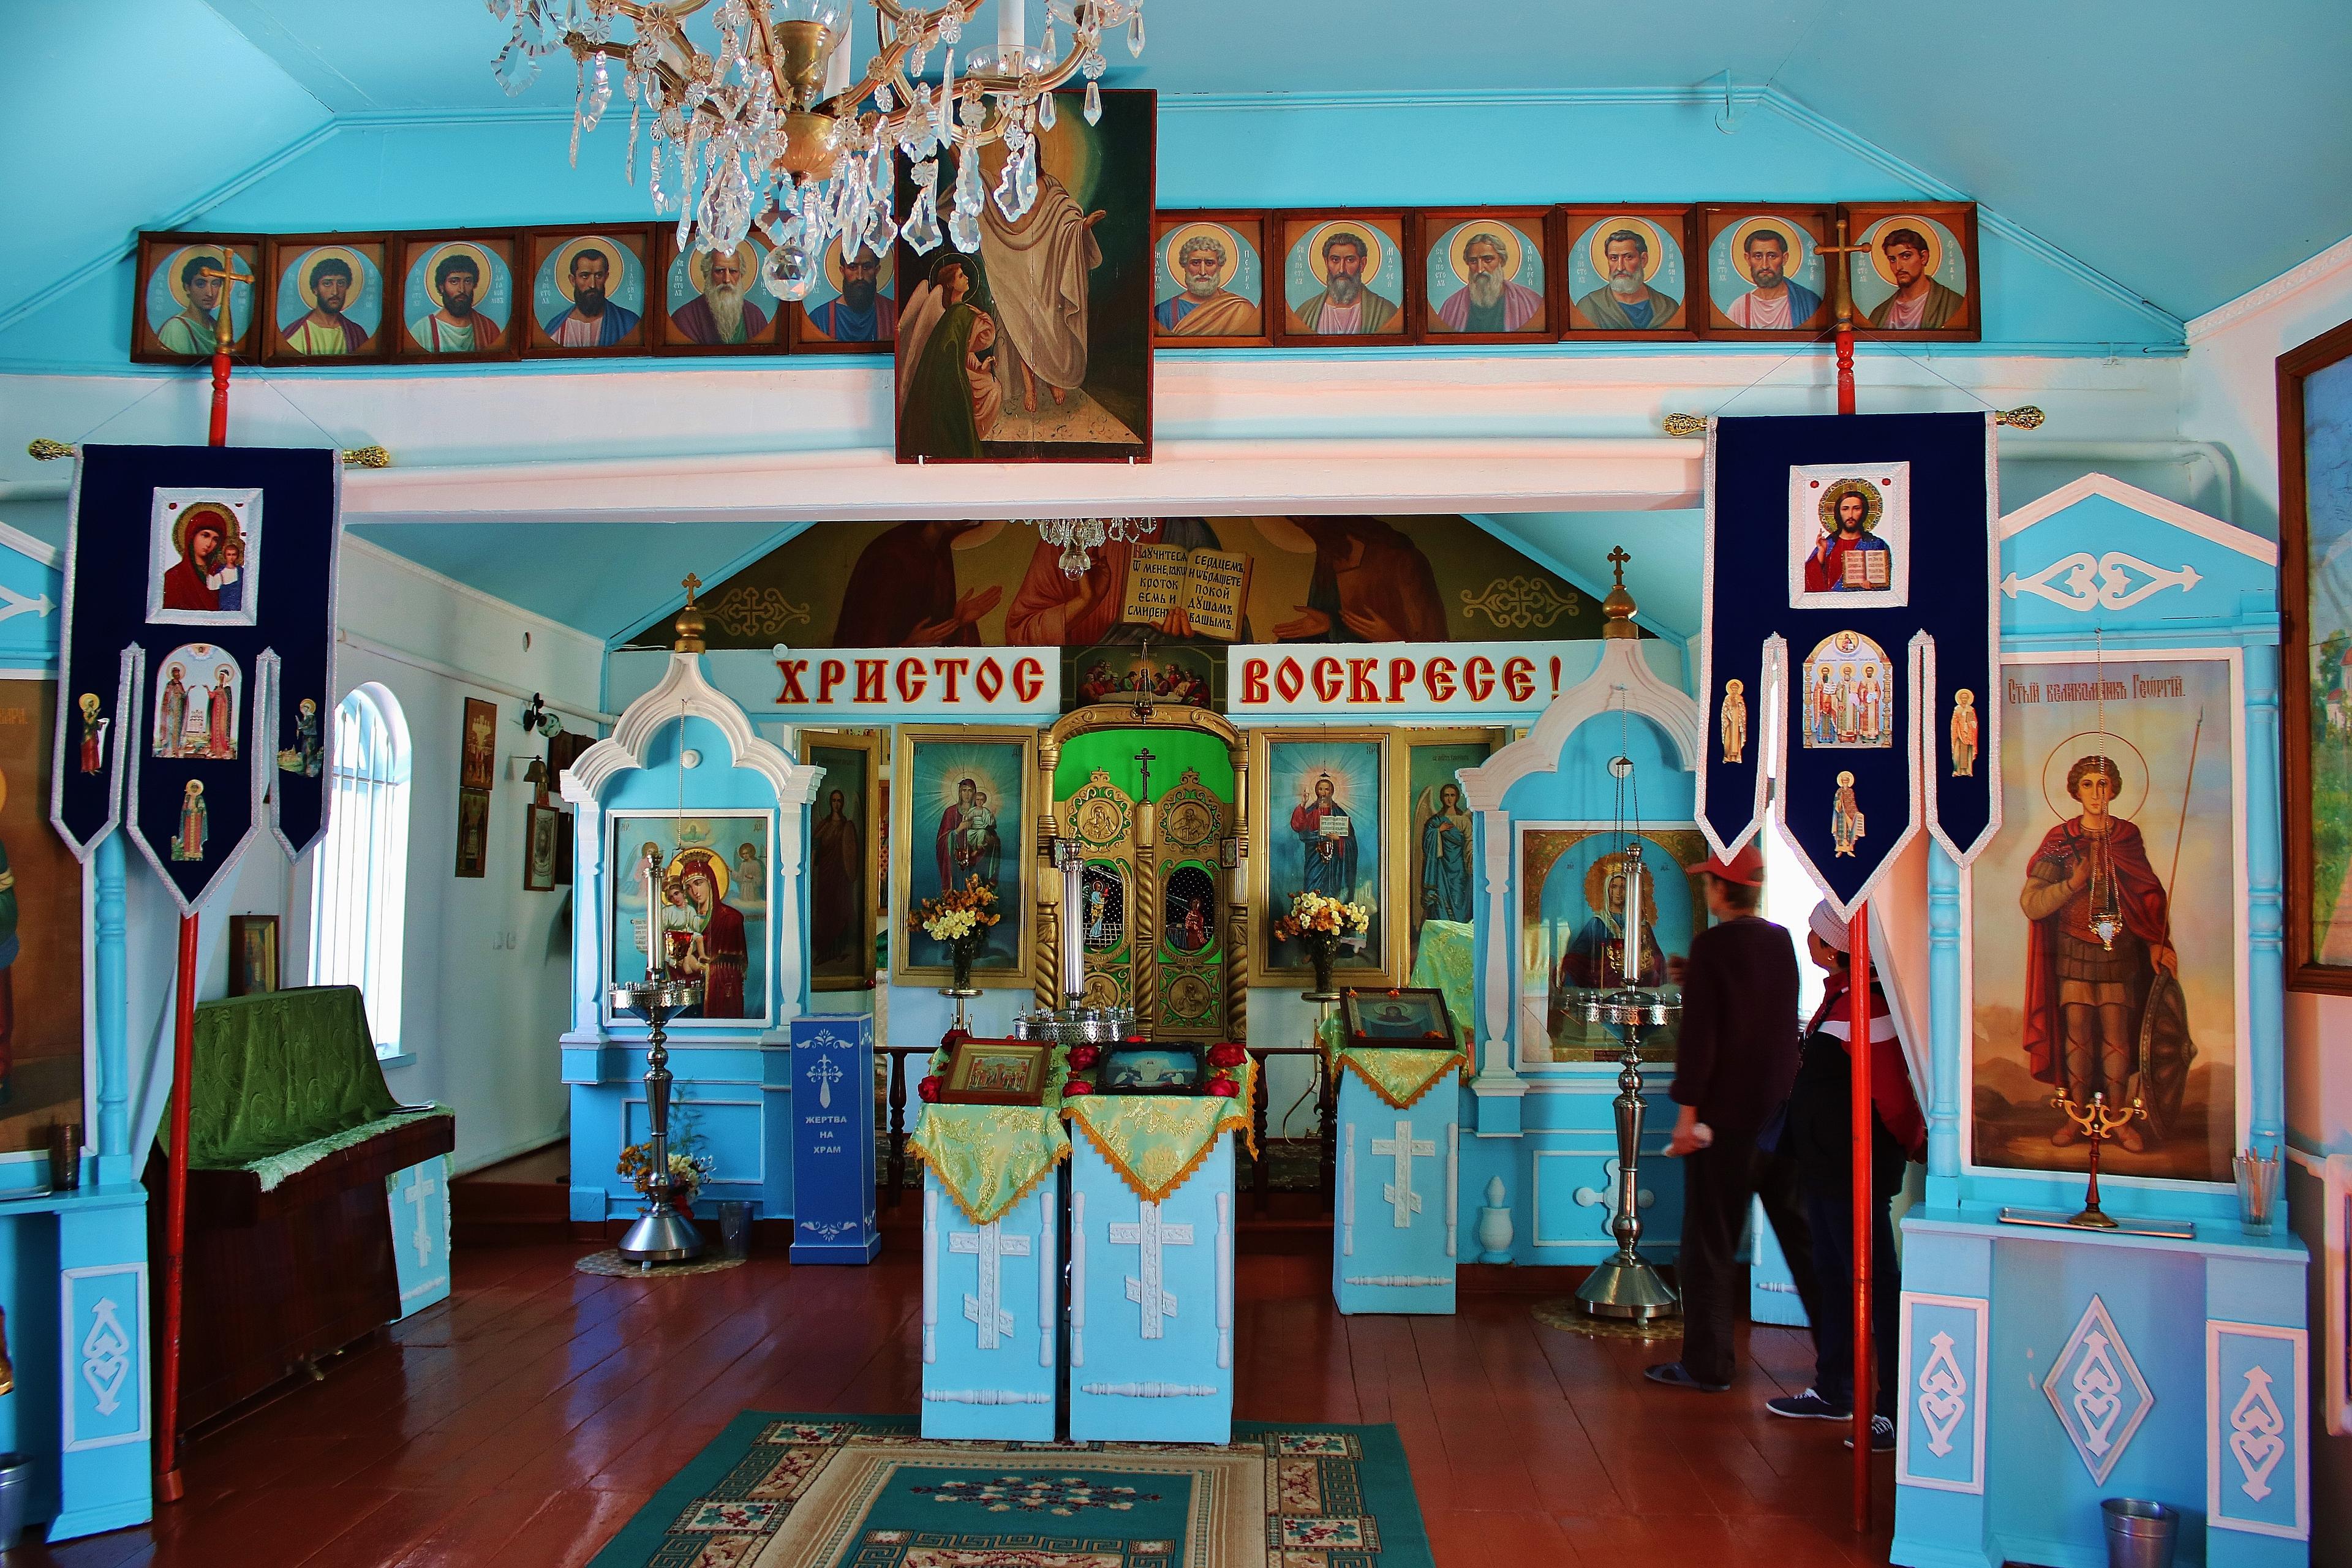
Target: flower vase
pixel 962 954
pixel 1324 957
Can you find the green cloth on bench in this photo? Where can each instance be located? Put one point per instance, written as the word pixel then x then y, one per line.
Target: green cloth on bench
pixel 284 1080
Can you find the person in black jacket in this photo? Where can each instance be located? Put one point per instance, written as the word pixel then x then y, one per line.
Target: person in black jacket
pixel 1736 1058
pixel 1820 1136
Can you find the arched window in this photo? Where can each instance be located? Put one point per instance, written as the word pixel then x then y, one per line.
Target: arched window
pixel 359 877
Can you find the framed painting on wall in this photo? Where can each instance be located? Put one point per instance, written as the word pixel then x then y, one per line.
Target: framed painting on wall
pixel 1487 276
pixel 473 833
pixel 1435 837
pixel 1347 276
pixel 717 885
pixel 181 280
pixel 2096 804
pixel 329 299
pixel 1626 272
pixel 542 839
pixel 591 288
pixel 717 304
pixel 1573 920
pixel 40 929
pixel 477 745
pixel 2315 413
pixel 1918 279
pixel 456 297
pixel 1037 347
pixel 1765 278
pixel 253 963
pixel 1319 809
pixel 1209 280
pixel 845 894
pixel 961 807
pixel 852 308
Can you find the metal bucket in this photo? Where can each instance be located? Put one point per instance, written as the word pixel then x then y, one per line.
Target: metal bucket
pixel 2140 1534
pixel 16 1493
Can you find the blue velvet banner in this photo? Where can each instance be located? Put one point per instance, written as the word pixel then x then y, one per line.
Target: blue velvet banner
pixel 1850 563
pixel 197 666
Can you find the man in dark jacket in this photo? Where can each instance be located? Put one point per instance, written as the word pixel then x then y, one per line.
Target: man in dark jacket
pixel 1737 1057
pixel 1819 1134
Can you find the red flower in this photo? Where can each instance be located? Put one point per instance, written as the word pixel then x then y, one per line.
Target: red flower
pixel 1075 1086
pixel 1223 1085
pixel 1085 1055
pixel 928 1091
pixel 954 1036
pixel 1227 1055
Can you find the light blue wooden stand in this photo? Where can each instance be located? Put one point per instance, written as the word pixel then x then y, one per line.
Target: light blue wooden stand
pixel 991 1317
pixel 1399 1231
pixel 1151 1304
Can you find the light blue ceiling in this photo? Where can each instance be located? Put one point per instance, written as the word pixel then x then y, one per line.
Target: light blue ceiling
pixel 2189 149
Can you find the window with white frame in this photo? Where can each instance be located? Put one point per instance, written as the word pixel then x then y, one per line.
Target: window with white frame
pixel 359 875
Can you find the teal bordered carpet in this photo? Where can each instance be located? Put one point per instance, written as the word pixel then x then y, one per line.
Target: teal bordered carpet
pixel 780 1491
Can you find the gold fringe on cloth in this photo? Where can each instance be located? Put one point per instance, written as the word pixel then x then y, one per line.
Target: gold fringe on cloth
pixel 989 1157
pixel 1400 1078
pixel 1155 1142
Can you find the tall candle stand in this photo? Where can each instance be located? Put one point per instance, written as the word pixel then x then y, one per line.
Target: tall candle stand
pixel 661 1234
pixel 2098 1123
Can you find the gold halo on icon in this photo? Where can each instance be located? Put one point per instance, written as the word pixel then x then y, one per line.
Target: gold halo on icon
pixel 1597 243
pixel 2128 759
pixel 882 279
pixel 1362 234
pixel 232 527
pixel 1791 231
pixel 697 267
pixel 222 254
pixel 485 268
pixel 302 264
pixel 1873 504
pixel 699 855
pixel 1596 887
pixel 1515 247
pixel 615 252
pixel 1926 228
pixel 1172 249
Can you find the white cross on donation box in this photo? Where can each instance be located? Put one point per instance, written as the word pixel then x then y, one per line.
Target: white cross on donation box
pixel 824 1074
pixel 1148 1236
pixel 419 1191
pixel 1400 1194
pixel 992 1245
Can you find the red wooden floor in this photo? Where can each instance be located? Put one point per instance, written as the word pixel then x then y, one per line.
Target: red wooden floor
pixel 520 1423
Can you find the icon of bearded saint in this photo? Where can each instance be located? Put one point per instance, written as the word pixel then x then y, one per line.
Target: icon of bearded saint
pixel 722 313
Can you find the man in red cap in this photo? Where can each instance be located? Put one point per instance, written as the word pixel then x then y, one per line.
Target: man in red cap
pixel 1735 1061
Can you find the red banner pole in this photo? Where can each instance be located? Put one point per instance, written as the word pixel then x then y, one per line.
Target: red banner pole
pixel 169 1487
pixel 1858 1054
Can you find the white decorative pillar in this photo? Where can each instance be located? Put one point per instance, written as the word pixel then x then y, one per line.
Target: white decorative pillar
pixel 1497 1076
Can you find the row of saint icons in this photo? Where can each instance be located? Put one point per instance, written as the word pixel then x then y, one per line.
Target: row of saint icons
pixel 1732 726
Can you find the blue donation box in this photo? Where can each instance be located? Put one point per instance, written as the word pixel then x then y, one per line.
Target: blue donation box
pixel 833 1140
pixel 1152 1303
pixel 419 1200
pixel 1399 1195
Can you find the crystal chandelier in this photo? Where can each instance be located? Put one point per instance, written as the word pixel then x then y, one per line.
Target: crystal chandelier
pixel 770 130
pixel 1080 537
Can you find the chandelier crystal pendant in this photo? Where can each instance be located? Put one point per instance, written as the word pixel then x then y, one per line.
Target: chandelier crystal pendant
pixel 1080 537
pixel 769 132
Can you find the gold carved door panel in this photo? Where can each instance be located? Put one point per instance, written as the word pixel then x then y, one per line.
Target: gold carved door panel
pixel 1102 816
pixel 1191 956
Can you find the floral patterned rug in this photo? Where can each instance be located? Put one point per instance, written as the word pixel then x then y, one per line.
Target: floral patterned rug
pixel 866 1491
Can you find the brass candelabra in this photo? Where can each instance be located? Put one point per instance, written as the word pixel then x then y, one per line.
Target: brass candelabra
pixel 2098 1123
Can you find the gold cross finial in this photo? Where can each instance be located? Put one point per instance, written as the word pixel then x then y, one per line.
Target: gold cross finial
pixel 1617 558
pixel 1619 606
pixel 689 619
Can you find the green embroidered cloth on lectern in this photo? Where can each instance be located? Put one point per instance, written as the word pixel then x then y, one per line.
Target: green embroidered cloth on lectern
pixel 1156 1140
pixel 285 1078
pixel 1448 962
pixel 1399 1076
pixel 988 1157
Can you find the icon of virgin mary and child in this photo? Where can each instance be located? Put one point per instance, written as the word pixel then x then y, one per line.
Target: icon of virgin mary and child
pixel 210 573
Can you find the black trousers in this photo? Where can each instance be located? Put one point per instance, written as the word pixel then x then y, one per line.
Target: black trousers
pixel 1718 1183
pixel 1833 1332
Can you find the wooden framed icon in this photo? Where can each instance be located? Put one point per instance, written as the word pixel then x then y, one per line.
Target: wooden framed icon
pixel 996 1072
pixel 1209 280
pixel 2315 447
pixel 543 836
pixel 589 289
pixel 477 745
pixel 844 886
pixel 1486 276
pixel 1765 276
pixel 1347 277
pixel 253 961
pixel 1626 271
pixel 1153 1066
pixel 1403 1017
pixel 961 801
pixel 710 302
pixel 183 280
pixel 329 299
pixel 1918 279
pixel 473 833
pixel 456 296
pixel 1318 806
pixel 852 309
